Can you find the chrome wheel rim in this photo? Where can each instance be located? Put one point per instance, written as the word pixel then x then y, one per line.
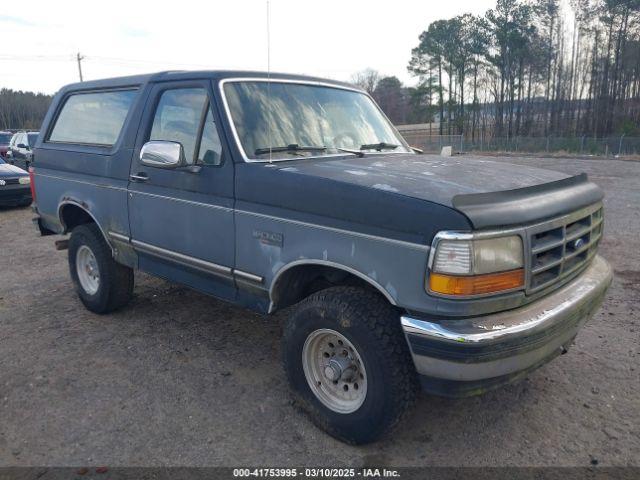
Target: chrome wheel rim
pixel 334 371
pixel 87 269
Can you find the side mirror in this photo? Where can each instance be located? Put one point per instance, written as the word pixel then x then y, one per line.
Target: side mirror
pixel 22 145
pixel 162 154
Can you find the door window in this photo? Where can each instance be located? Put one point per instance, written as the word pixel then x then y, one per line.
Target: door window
pixel 183 115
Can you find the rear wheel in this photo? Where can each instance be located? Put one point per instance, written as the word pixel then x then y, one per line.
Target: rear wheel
pixel 348 363
pixel 103 285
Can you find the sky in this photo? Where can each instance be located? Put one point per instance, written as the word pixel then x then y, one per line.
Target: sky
pixel 326 38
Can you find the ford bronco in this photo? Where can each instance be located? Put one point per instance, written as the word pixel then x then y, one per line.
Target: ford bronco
pixel 273 191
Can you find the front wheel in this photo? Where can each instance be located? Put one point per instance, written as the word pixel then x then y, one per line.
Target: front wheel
pixel 103 285
pixel 348 363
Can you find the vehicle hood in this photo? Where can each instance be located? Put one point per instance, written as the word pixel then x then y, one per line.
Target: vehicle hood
pixel 432 178
pixel 489 193
pixel 11 171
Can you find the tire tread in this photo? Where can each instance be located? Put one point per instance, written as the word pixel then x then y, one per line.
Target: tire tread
pixel 118 279
pixel 379 317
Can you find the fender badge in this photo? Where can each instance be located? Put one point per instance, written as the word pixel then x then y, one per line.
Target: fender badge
pixel 269 238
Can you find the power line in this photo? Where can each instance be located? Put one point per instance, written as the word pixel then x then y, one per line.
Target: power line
pixel 125 61
pixel 36 58
pixel 98 59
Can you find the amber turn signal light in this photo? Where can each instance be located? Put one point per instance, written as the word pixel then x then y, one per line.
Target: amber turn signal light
pixel 476 284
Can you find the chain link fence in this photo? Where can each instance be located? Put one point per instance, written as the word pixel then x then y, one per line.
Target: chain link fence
pixel 432 143
pixel 609 146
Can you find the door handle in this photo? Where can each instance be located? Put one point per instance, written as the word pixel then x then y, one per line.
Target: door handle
pixel 139 177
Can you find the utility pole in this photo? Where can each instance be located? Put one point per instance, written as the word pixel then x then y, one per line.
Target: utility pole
pixel 80 58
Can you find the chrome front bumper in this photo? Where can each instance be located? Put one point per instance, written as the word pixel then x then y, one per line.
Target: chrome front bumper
pixel 464 357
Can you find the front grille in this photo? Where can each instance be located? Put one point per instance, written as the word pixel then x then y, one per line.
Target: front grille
pixel 10 181
pixel 560 247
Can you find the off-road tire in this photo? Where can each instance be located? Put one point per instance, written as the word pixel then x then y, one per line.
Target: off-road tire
pixel 116 280
pixel 372 325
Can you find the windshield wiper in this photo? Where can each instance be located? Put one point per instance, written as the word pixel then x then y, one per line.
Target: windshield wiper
pixel 379 146
pixel 359 153
pixel 293 147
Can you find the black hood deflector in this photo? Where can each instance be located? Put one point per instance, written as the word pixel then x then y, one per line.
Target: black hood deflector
pixel 525 205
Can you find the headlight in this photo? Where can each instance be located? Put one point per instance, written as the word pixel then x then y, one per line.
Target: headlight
pixel 24 181
pixel 471 265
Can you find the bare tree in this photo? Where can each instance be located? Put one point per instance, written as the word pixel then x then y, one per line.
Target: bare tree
pixel 538 69
pixel 366 79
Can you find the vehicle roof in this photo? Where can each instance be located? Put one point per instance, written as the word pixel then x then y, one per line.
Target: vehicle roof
pixel 172 75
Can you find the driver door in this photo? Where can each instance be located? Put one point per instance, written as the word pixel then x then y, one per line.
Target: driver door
pixel 181 219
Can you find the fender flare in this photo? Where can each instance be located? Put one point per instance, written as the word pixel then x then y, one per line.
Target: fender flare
pixel 84 207
pixel 326 263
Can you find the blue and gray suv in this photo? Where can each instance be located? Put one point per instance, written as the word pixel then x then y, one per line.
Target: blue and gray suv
pixel 273 191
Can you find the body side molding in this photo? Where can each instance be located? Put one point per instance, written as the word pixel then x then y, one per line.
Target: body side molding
pixel 193 262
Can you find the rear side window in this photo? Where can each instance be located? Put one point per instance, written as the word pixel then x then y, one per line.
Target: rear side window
pixel 92 118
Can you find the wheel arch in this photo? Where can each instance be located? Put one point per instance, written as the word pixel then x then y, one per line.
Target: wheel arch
pixel 72 213
pixel 290 283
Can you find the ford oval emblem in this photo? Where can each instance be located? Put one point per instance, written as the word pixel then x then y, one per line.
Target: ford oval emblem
pixel 578 244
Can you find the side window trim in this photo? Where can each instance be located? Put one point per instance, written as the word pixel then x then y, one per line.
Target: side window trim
pixel 210 111
pixel 203 119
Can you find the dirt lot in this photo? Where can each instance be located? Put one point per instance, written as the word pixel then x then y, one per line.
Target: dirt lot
pixel 178 378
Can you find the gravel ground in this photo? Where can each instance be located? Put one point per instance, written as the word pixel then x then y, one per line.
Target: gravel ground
pixel 178 378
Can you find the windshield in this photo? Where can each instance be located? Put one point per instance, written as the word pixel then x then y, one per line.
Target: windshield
pixel 32 138
pixel 306 120
pixel 5 138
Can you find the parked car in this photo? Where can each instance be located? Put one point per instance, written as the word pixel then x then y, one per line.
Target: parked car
pixel 5 138
pixel 287 191
pixel 14 186
pixel 20 150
